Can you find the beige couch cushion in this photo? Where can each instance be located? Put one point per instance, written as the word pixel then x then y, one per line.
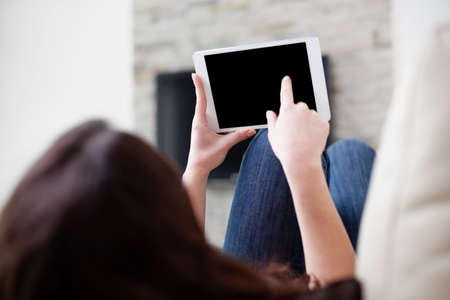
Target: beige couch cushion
pixel 404 245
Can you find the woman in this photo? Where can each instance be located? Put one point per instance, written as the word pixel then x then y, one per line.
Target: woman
pixel 102 215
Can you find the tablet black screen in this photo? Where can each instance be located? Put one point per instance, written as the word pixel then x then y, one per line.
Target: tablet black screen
pixel 245 84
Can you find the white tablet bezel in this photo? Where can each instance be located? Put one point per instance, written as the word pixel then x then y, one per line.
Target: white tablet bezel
pixel 315 66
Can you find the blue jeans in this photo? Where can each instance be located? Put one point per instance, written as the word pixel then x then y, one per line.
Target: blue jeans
pixel 263 227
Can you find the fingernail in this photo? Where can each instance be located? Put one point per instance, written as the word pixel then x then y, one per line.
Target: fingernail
pixel 192 76
pixel 267 114
pixel 285 78
pixel 251 132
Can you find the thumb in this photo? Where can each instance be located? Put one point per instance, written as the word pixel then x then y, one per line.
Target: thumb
pixel 271 119
pixel 233 138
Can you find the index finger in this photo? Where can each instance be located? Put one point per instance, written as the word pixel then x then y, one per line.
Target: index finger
pixel 286 94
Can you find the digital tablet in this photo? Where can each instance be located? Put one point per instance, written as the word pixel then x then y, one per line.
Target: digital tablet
pixel 243 82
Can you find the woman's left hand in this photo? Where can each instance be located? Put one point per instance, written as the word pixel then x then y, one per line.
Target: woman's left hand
pixel 208 149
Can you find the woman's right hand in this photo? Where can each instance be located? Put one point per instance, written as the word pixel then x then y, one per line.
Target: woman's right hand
pixel 298 135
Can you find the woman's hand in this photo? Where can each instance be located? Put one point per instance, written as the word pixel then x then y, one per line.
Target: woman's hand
pixel 298 138
pixel 208 149
pixel 298 135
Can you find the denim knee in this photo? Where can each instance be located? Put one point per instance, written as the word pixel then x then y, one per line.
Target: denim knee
pixel 352 145
pixel 262 134
pixel 260 140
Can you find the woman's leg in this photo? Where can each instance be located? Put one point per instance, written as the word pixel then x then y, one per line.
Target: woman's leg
pixel 349 172
pixel 262 226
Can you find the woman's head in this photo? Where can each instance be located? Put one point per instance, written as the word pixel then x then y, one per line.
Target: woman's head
pixel 104 215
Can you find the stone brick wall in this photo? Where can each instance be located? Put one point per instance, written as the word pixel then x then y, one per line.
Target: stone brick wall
pixel 354 33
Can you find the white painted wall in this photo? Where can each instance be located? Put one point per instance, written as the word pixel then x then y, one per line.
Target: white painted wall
pixel 411 19
pixel 61 62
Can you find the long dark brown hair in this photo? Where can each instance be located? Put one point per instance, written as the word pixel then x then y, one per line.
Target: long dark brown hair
pixel 103 215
